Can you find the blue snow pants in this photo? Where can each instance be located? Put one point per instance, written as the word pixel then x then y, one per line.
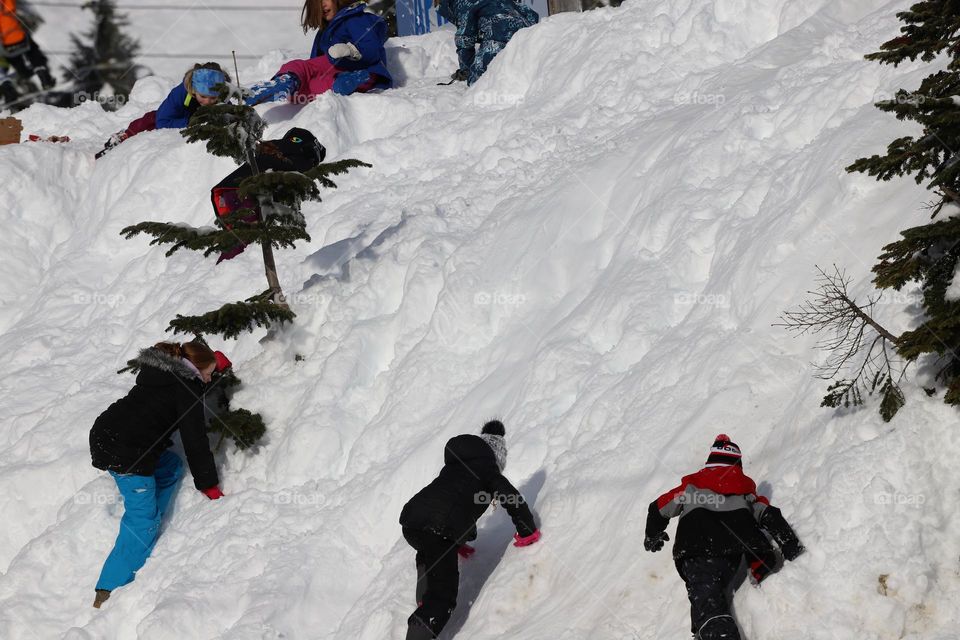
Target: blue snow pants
pixel 145 499
pixel 487 51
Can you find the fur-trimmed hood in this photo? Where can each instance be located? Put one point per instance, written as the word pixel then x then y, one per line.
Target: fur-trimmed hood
pixel 152 362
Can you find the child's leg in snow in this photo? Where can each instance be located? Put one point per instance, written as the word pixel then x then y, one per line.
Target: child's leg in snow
pixel 316 75
pixel 359 81
pixel 139 528
pixel 297 80
pixel 487 51
pixel 437 586
pixel 146 122
pixel 168 473
pixel 708 581
pixel 278 89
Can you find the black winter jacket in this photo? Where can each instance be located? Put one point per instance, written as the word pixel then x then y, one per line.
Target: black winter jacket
pixel 721 515
pixel 469 481
pixel 132 433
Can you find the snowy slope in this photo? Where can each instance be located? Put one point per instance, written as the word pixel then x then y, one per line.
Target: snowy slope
pixel 591 243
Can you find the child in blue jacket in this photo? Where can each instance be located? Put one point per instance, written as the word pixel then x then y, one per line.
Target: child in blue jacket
pixel 348 55
pixel 198 89
pixel 487 23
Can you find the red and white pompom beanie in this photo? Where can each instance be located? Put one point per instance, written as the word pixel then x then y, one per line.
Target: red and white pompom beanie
pixel 724 452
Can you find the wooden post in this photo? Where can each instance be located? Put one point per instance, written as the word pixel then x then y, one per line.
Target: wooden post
pixel 561 6
pixel 10 130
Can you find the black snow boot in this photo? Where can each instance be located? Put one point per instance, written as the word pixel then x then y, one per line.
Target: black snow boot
pixel 416 630
pixel 8 92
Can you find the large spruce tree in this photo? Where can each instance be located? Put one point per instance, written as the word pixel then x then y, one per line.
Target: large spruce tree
pixel 927 254
pixel 104 56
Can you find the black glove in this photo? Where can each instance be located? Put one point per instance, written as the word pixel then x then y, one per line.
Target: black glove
pixel 792 550
pixel 460 75
pixel 655 542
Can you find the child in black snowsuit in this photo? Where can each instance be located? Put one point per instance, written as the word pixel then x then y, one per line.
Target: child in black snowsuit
pixel 442 517
pixel 722 520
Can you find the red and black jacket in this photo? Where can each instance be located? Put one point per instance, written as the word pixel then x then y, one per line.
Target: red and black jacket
pixel 720 515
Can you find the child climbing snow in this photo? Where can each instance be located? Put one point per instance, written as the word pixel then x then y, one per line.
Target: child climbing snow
pixel 442 517
pixel 198 89
pixel 487 23
pixel 131 440
pixel 722 520
pixel 347 57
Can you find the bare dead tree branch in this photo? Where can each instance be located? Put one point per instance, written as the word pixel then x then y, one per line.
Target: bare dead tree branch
pixel 854 341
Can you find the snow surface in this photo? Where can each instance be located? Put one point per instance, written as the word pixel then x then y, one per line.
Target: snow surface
pixel 591 243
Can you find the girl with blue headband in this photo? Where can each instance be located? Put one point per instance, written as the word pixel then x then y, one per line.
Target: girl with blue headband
pixel 198 89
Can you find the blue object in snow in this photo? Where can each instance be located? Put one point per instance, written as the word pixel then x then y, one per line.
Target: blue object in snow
pixel 348 82
pixel 279 89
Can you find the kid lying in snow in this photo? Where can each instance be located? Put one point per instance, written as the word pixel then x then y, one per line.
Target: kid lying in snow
pixel 722 522
pixel 198 89
pixel 347 56
pixel 487 23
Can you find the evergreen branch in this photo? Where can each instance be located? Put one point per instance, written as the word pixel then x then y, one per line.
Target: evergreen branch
pixel 233 318
pixel 340 167
pixel 229 130
pixel 290 188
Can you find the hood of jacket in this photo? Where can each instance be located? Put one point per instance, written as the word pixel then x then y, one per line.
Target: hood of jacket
pixel 156 368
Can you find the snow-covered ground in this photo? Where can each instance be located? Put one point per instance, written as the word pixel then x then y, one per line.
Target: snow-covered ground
pixel 591 243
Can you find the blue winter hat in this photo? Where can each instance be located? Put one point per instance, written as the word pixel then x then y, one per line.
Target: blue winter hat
pixel 204 81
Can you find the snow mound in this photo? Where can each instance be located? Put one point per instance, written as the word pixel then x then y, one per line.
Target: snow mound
pixel 591 243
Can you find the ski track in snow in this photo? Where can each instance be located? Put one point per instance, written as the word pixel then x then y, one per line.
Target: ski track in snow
pixel 591 243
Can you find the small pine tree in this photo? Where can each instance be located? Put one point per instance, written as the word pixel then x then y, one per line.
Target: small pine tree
pixel 104 55
pixel 926 254
pixel 235 131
